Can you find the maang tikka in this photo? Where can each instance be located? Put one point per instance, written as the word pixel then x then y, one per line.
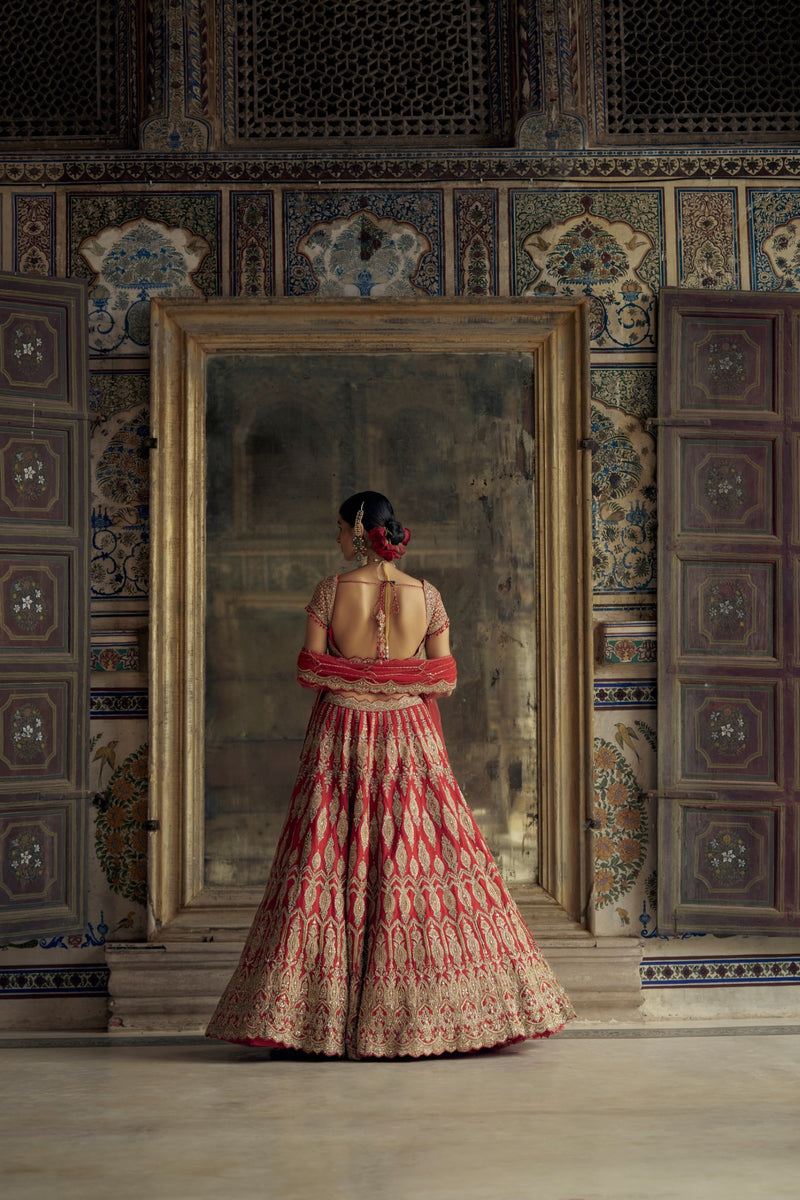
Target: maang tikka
pixel 359 541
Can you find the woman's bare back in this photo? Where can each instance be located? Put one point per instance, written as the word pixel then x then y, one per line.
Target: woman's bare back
pixel 355 621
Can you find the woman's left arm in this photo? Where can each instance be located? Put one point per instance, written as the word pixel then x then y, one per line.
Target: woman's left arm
pixel 438 644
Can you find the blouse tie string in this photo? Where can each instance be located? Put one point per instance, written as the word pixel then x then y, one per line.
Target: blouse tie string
pixel 388 605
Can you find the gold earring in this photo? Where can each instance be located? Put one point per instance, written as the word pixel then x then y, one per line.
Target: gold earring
pixel 359 541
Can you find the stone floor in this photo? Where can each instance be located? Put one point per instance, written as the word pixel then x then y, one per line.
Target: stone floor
pixel 595 1114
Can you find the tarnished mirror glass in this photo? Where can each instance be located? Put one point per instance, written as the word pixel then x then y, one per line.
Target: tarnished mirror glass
pixel 473 416
pixel 288 437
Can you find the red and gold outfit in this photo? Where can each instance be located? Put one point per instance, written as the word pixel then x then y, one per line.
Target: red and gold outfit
pixel 385 929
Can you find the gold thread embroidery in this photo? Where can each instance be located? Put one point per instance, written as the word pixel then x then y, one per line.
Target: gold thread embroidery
pixel 397 959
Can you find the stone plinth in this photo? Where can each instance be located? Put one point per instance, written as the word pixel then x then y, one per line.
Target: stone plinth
pixel 175 985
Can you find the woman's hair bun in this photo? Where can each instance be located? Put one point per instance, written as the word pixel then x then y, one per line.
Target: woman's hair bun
pixel 394 531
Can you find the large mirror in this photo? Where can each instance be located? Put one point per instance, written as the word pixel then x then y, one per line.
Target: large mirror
pixel 469 417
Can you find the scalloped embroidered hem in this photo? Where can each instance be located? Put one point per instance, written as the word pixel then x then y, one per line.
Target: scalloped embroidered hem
pixel 303 1052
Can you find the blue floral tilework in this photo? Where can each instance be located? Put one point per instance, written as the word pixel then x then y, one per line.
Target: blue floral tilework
pixel 747 970
pixel 605 245
pixel 621 693
pixel 774 218
pixel 126 703
pixel 16 982
pixel 304 210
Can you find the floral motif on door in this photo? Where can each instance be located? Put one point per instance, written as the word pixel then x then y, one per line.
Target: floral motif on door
pixel 724 486
pixel 728 857
pixel 728 368
pixel 29 474
pixel 728 730
pixel 27 732
pixel 34 475
pixel 26 856
pixel 727 610
pixel 727 485
pixel 27 347
pixel 32 720
pixel 725 362
pixel 33 601
pixel 28 351
pixel 32 848
pixel 731 734
pixel 29 608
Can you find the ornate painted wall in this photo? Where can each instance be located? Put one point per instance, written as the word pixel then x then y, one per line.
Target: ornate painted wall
pixel 542 217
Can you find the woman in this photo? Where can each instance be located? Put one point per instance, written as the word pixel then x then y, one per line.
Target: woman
pixel 385 929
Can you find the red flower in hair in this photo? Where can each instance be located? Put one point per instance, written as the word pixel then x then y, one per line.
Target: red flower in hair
pixel 379 540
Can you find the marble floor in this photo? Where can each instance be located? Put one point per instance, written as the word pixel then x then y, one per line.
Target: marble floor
pixel 594 1114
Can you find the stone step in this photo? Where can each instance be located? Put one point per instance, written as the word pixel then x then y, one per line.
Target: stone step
pixel 174 986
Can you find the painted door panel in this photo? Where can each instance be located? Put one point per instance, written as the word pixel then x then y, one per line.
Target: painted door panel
pixel 44 595
pixel 729 632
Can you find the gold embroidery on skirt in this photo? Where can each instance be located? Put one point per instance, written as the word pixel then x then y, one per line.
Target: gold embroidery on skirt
pixel 385 928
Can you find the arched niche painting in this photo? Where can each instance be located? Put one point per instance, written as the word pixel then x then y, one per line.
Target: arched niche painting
pixel 280 411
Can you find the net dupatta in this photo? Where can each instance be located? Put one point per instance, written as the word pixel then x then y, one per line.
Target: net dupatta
pixel 423 677
pixel 393 677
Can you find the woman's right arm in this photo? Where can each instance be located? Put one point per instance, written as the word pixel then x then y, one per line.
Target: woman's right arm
pixel 319 616
pixel 316 639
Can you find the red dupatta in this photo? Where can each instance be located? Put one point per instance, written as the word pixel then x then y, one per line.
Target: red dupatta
pixel 425 677
pixel 392 677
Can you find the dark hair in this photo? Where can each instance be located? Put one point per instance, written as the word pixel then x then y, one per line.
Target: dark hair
pixel 378 513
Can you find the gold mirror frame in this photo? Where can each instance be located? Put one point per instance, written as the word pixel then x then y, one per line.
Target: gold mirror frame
pixel 184 334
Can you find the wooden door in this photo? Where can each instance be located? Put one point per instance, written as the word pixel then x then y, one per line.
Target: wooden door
pixel 44 655
pixel 729 631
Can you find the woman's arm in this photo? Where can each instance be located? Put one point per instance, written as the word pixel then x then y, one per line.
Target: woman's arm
pixel 316 639
pixel 438 644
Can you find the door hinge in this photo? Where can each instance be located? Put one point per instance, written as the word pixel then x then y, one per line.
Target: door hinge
pixel 152 826
pixel 655 794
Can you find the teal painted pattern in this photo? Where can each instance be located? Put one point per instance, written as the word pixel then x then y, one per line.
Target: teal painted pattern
pixel 607 246
pixel 304 210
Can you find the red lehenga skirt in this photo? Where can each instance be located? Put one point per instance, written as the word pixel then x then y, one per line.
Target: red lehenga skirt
pixel 385 929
